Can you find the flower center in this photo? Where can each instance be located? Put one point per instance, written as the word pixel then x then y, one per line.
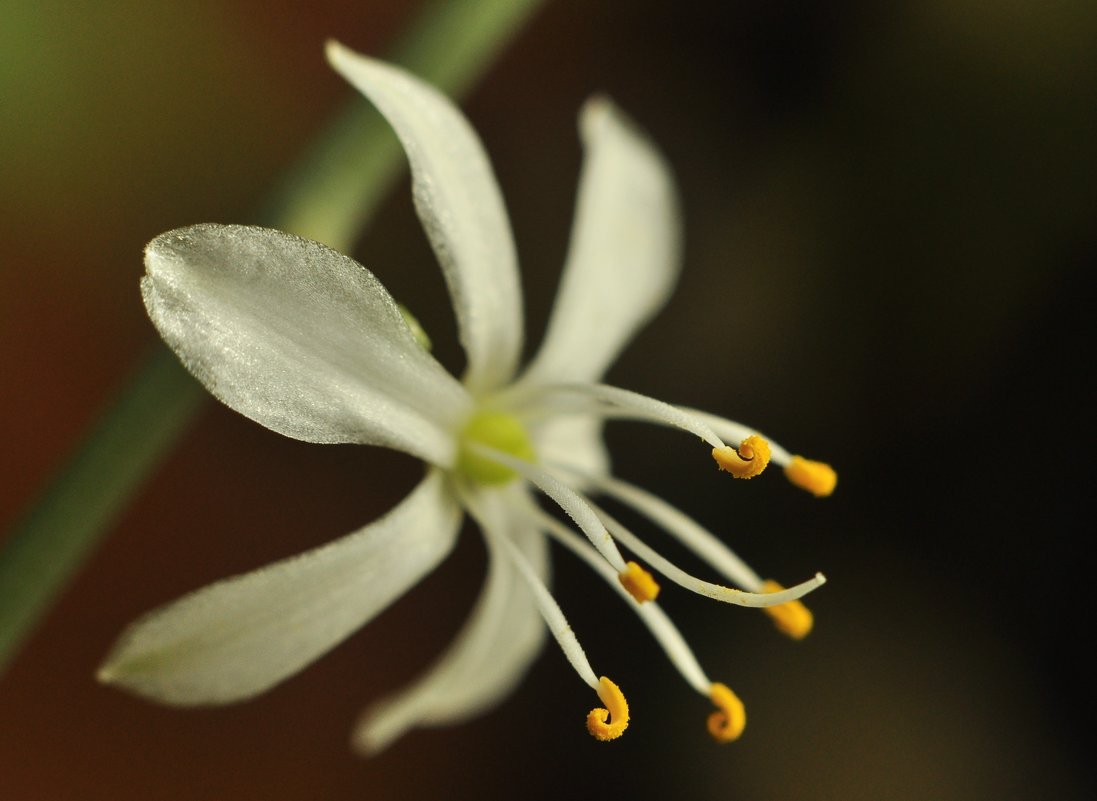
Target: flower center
pixel 496 430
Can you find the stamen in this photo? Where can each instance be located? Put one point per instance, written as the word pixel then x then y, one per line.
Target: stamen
pixel 725 724
pixel 621 402
pixel 661 627
pixel 680 577
pixel 793 618
pixel 604 724
pixel 611 722
pixel 818 478
pixel 679 525
pixel 728 722
pixel 546 604
pixel 639 583
pixel 745 462
pixel 732 431
pixel 748 461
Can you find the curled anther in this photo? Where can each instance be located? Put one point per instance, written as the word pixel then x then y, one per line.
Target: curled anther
pixel 730 717
pixel 818 478
pixel 611 722
pixel 639 583
pixel 792 618
pixel 746 461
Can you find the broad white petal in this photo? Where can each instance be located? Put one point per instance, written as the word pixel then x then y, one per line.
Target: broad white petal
pixel 624 255
pixel 461 208
pixel 489 656
pixel 238 637
pixel 300 339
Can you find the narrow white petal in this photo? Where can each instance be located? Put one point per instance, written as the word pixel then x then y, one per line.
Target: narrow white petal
pixel 238 637
pixel 461 208
pixel 624 256
pixel 491 654
pixel 300 339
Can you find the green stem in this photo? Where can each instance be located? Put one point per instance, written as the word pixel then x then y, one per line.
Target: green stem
pixel 328 196
pixel 51 541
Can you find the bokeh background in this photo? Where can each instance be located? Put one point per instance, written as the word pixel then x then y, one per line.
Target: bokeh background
pixel 889 248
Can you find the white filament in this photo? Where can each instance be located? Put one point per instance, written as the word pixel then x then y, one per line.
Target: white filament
pixel 574 505
pixel 665 632
pixel 701 587
pixel 678 524
pixel 606 401
pixel 737 432
pixel 546 604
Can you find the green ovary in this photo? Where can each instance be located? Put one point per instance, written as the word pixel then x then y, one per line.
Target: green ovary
pixel 498 431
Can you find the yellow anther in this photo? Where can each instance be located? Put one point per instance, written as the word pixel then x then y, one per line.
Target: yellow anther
pixel 730 717
pixel 793 618
pixel 638 582
pixel 818 478
pixel 746 461
pixel 610 723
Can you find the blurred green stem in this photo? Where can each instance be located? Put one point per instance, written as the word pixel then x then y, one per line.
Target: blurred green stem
pixel 328 196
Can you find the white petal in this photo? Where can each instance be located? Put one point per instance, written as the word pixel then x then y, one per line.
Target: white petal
pixel 487 659
pixel 299 338
pixel 575 442
pixel 625 250
pixel 238 637
pixel 461 208
pixel 662 627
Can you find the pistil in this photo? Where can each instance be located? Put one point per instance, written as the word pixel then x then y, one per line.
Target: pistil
pixel 500 432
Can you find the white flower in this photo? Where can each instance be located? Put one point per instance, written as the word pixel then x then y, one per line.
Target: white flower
pixel 308 343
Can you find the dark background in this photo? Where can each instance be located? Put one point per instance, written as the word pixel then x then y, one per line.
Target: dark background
pixel 889 247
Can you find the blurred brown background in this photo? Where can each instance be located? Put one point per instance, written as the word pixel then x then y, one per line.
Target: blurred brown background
pixel 889 231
